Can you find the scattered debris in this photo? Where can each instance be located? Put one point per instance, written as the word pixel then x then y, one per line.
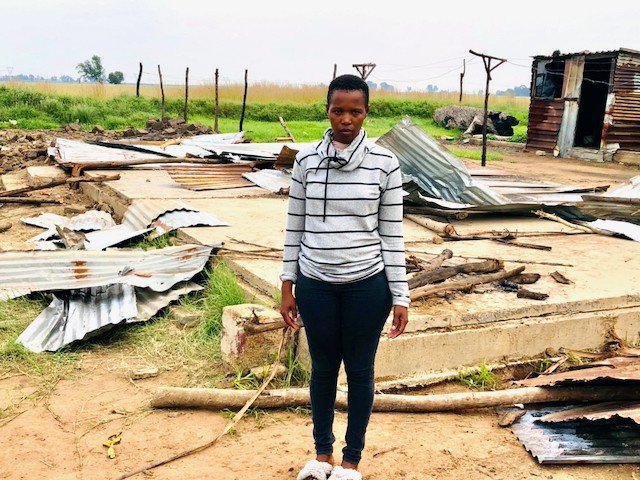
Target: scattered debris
pixel 111 442
pixel 185 317
pixel 560 278
pixel 524 293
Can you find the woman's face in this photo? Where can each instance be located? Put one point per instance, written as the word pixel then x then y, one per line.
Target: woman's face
pixel 346 110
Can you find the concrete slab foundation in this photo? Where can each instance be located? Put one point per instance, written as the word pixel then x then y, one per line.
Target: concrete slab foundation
pixel 443 333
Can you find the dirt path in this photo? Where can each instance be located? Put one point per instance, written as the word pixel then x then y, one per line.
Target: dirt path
pixel 61 438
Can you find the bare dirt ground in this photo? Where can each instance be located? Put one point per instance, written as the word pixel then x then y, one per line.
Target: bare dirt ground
pixel 57 432
pixel 60 437
pixel 547 168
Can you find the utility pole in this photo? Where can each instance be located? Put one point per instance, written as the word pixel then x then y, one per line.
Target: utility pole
pixel 244 99
pixel 364 69
pixel 335 70
pixel 215 105
pixel 486 59
pixel 464 69
pixel 138 81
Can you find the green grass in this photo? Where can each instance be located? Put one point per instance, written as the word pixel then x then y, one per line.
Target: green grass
pixel 480 378
pixel 152 241
pixel 307 121
pixel 474 154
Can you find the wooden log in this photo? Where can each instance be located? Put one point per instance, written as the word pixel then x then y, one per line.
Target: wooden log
pixel 220 399
pixel 5 226
pixel 525 278
pixel 465 284
pixel 445 229
pixel 437 261
pixel 443 273
pixel 29 200
pixel 55 183
pixel 524 293
pixel 534 246
pixel 555 218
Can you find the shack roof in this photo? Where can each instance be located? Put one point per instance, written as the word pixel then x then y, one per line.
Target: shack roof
pixel 587 53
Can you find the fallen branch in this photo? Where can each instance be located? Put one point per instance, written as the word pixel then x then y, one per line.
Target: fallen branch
pixel 438 260
pixel 555 218
pixel 29 200
pixel 463 284
pixel 466 257
pixel 446 229
pixel 5 226
pixel 254 394
pixel 55 183
pixel 219 399
pixel 512 242
pixel 443 273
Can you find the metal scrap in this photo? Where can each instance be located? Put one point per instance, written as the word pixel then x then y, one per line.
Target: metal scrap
pixel 597 411
pixel 615 369
pixel 577 441
pixel 84 222
pixel 81 314
pixel 166 215
pixel 211 177
pixel 275 181
pixel 74 269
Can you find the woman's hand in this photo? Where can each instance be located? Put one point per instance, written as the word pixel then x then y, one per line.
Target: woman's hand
pixel 400 320
pixel 288 308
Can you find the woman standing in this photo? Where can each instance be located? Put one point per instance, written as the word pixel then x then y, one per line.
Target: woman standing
pixel 344 250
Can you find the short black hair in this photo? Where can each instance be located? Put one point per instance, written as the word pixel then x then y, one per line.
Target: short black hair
pixel 348 83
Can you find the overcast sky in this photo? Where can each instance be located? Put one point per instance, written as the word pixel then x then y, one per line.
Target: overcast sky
pixel 414 43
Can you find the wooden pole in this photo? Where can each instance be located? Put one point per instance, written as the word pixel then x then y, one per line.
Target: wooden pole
pixel 335 70
pixel 219 399
pixel 486 59
pixel 186 94
pixel 464 69
pixel 55 183
pixel 161 92
pixel 244 99
pixel 216 105
pixel 138 82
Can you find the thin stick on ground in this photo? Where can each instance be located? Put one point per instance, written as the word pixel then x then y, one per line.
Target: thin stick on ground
pixel 234 421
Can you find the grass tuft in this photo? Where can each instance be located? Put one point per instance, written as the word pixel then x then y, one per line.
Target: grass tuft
pixel 474 154
pixel 480 379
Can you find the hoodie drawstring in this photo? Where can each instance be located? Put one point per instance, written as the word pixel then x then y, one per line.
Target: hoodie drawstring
pixel 341 162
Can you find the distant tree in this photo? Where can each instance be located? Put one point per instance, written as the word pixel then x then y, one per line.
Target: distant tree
pixel 432 88
pixel 116 77
pixel 92 69
pixel 372 85
pixel 67 79
pixel 387 87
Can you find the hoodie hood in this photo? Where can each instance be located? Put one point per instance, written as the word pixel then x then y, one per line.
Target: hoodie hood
pixel 350 158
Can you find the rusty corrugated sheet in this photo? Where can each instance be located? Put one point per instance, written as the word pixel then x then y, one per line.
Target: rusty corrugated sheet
pixel 545 118
pixel 211 177
pixel 597 411
pixel 616 369
pixel 74 269
pixel 625 111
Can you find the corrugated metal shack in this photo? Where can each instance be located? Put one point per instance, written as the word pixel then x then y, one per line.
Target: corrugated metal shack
pixel 586 105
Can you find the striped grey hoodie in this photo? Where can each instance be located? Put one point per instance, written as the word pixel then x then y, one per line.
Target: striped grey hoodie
pixel 345 216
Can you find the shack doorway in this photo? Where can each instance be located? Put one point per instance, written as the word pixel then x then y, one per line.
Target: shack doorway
pixel 593 99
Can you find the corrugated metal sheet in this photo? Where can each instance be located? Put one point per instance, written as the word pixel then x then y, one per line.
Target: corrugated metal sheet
pixel 166 215
pixel 598 411
pixel 620 203
pixel 77 315
pixel 433 168
pixel 74 269
pixel 110 237
pixel 81 314
pixel 587 53
pixel 84 222
pixel 616 441
pixel 616 369
pixel 545 118
pixel 273 180
pixel 625 112
pixel 70 152
pixel 150 302
pixel 211 177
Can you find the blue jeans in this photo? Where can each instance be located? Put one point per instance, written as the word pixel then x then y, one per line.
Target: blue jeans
pixel 343 322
